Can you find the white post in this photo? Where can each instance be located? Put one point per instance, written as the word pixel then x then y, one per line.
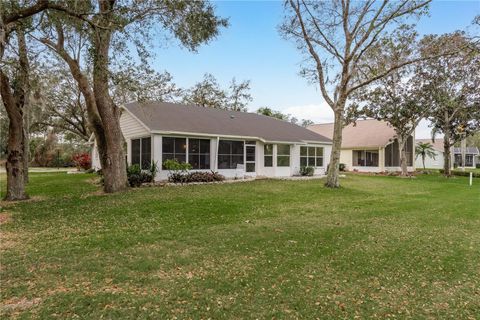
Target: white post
pixel 471 178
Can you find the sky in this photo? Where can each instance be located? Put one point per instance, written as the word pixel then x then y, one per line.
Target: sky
pixel 251 48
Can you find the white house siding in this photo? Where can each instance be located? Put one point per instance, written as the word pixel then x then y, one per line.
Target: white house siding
pixel 431 163
pixel 95 157
pixel 131 128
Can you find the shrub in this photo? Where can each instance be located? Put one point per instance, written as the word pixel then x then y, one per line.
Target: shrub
pixel 82 161
pixel 136 176
pixel 203 177
pixel 133 175
pixel 177 170
pixel 477 166
pixel 341 166
pixel 307 171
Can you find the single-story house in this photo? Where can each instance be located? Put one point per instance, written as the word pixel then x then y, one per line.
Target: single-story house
pixel 369 146
pixel 471 156
pixel 235 144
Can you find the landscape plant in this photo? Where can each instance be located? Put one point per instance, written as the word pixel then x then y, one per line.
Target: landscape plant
pixel 307 171
pixel 424 150
pixel 82 161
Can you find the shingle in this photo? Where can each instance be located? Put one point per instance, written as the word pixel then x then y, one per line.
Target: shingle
pixel 175 117
pixel 365 133
pixel 469 150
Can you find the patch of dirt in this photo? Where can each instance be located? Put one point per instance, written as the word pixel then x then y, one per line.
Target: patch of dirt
pixel 15 304
pixel 7 240
pixel 6 204
pixel 5 217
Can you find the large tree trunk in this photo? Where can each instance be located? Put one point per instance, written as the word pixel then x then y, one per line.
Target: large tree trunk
pixel 15 144
pixel 446 152
pixel 403 156
pixel 333 169
pixel 112 157
pixel 14 102
pixel 423 161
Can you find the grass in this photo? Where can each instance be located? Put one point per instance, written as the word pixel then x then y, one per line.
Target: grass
pixel 379 247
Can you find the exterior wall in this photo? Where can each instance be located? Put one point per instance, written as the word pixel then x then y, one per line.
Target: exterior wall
pixel 346 157
pixel 131 128
pixel 431 163
pixel 95 157
pixel 260 169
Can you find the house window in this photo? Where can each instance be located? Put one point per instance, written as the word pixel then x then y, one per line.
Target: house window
pixel 365 158
pixel 311 156
pixel 174 148
pixel 230 154
pixel 268 155
pixel 283 155
pixel 199 153
pixel 142 152
pixel 392 153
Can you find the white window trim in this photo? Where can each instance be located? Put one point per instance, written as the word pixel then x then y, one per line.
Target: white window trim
pixel 315 156
pixel 289 155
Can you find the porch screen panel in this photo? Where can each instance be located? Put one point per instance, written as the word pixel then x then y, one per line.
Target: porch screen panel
pixel 409 151
pixel 199 153
pixel 136 151
pixel 230 154
pixel 174 148
pixel 146 153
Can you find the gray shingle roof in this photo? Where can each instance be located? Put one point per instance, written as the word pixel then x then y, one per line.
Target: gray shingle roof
pixel 173 117
pixel 469 150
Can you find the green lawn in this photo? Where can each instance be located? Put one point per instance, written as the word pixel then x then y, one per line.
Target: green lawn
pixel 380 247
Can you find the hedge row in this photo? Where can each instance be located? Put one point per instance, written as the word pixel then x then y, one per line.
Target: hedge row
pixel 462 173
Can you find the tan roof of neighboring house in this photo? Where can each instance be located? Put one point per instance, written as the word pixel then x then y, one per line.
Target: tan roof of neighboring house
pixel 437 145
pixel 179 118
pixel 365 133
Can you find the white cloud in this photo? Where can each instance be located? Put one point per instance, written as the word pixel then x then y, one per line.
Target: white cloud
pixel 318 113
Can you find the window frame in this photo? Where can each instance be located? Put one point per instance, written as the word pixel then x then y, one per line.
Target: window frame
pixel 231 155
pixel 187 150
pixel 364 153
pixel 199 153
pixel 267 155
pixel 174 153
pixel 140 152
pixel 286 156
pixel 315 156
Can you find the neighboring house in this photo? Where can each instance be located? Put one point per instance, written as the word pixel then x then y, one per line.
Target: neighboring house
pixel 236 144
pixel 471 156
pixel 369 146
pixel 431 163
